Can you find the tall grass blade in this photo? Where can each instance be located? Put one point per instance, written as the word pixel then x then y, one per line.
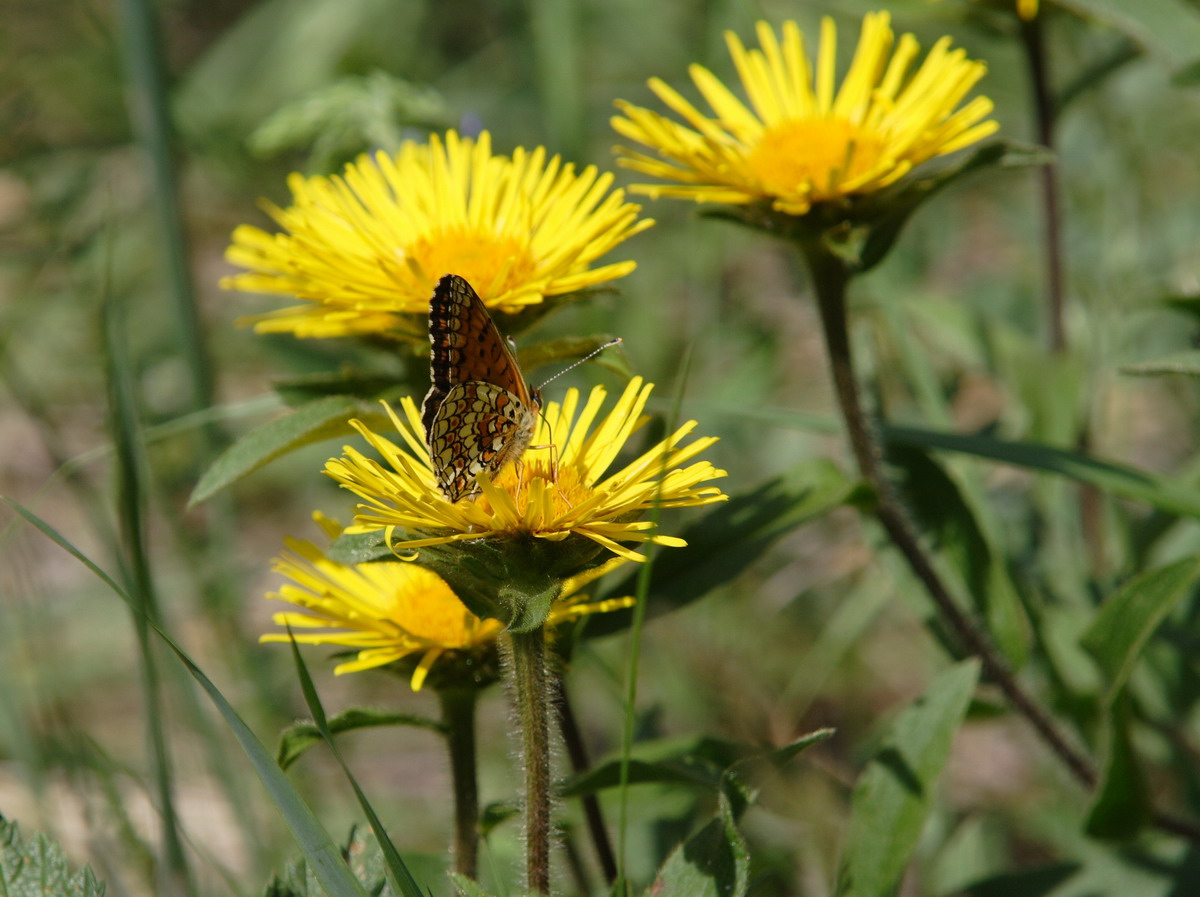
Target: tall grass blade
pixel 398 875
pixel 131 517
pixel 322 854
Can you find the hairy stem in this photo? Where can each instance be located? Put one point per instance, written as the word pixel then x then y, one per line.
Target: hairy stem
pixel 458 713
pixel 533 716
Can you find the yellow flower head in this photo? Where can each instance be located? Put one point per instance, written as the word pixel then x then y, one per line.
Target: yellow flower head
pixel 560 488
pixel 390 610
pixel 803 141
pixel 365 248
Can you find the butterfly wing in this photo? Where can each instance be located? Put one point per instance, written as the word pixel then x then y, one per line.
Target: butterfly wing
pixel 477 428
pixel 466 346
pixel 479 412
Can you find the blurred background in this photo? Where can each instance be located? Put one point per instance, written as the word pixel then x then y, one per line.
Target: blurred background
pixel 108 242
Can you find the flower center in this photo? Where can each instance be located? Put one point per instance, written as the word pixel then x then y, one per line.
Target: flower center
pixel 492 264
pixel 428 609
pixel 813 155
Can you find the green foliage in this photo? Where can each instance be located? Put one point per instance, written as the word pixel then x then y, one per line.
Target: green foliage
pixel 300 736
pixel 894 794
pixel 714 862
pixel 350 116
pixel 37 868
pixel 315 422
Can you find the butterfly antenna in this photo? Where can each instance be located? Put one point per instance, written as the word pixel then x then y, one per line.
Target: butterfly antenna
pixel 612 342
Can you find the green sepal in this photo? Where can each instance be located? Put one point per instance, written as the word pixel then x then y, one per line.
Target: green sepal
pixel 514 579
pixel 859 230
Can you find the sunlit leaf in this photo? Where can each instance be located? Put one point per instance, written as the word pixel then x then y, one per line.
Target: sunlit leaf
pixel 314 422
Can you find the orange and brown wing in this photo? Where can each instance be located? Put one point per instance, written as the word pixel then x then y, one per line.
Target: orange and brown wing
pixel 476 428
pixel 479 412
pixel 466 346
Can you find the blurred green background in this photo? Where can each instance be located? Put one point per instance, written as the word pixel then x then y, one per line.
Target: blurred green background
pixel 82 230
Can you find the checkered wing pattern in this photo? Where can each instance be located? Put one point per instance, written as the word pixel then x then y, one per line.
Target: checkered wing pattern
pixel 479 412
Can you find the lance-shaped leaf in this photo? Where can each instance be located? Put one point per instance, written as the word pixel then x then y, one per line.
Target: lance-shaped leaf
pixel 314 422
pixel 1128 618
pixel 299 737
pixel 894 794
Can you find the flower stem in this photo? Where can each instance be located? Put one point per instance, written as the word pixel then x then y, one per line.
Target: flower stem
pixel 458 713
pixel 1044 118
pixel 533 716
pixel 577 753
pixel 829 280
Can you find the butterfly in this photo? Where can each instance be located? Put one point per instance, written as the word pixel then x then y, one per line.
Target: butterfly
pixel 479 413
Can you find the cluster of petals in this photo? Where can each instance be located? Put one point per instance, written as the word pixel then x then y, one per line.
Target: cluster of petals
pixel 365 248
pixel 560 487
pixel 804 139
pixel 390 610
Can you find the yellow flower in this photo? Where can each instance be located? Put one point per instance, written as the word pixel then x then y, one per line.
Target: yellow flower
pixel 559 488
pixel 1027 9
pixel 805 142
pixel 391 610
pixel 366 248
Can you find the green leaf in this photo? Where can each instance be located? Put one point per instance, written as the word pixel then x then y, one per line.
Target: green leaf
pixel 319 849
pixel 37 868
pixel 314 422
pixel 1127 619
pixel 1186 363
pixel 299 737
pixel 1108 476
pixel 731 537
pixel 714 862
pixel 1121 805
pixel 571 350
pixel 704 763
pixel 348 382
pixel 894 794
pixel 942 508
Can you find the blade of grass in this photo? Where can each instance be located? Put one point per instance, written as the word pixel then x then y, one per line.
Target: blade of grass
pixel 398 875
pixel 152 123
pixel 136 564
pixel 319 849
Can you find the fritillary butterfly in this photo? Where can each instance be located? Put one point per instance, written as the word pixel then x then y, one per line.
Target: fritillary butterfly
pixel 479 413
